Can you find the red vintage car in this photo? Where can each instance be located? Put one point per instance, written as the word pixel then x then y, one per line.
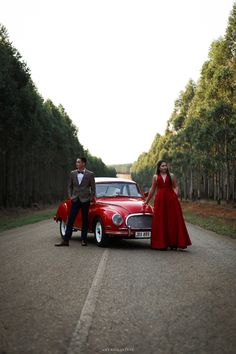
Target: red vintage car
pixel 118 211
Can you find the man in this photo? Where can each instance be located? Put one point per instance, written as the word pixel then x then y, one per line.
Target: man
pixel 81 190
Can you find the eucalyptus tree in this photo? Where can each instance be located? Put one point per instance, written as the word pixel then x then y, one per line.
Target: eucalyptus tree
pixel 39 142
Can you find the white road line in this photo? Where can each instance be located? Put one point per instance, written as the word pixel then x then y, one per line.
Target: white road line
pixel 80 335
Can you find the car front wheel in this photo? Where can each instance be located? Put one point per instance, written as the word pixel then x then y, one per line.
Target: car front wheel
pixel 62 228
pixel 100 237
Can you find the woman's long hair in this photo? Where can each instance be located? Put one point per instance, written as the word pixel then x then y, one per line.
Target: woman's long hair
pixel 167 171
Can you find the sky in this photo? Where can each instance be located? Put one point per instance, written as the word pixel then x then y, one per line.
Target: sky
pixel 116 66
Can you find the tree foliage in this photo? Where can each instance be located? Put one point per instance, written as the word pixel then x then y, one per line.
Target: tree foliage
pixel 39 142
pixel 200 138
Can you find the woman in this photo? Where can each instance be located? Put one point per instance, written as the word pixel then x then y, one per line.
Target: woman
pixel 168 226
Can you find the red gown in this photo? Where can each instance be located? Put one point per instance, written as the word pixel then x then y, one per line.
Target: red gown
pixel 168 226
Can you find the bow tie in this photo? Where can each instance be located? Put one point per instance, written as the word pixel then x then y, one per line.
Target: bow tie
pixel 82 172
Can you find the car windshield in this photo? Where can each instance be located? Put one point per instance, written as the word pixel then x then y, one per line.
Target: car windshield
pixel 117 189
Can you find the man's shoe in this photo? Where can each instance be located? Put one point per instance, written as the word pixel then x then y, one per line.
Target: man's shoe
pixel 62 243
pixel 83 243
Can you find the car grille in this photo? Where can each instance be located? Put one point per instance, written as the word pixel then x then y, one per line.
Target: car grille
pixel 139 221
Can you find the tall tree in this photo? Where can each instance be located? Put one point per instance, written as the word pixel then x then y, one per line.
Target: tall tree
pixel 39 142
pixel 200 139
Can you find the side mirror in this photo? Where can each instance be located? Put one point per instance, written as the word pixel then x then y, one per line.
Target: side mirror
pixel 145 194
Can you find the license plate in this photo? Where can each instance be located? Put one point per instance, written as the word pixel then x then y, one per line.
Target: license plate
pixel 142 234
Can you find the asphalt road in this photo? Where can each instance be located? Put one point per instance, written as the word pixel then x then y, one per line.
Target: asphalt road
pixel 123 299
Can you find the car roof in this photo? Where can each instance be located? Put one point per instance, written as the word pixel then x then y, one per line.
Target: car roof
pixel 112 180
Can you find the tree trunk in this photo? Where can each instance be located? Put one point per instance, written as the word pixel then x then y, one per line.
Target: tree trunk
pixel 191 196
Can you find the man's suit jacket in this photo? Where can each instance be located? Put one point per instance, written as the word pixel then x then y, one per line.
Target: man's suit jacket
pixel 85 191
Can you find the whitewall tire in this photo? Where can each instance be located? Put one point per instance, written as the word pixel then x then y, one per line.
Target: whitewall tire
pixel 100 237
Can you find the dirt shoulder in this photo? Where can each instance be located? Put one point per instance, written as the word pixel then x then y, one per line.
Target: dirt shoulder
pixel 14 212
pixel 209 209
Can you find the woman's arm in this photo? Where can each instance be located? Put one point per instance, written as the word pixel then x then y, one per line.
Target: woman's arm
pixel 152 189
pixel 174 184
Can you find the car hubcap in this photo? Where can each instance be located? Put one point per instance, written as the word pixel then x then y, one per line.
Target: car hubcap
pixel 63 228
pixel 98 232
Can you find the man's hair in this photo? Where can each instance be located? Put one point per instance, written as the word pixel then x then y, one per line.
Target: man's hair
pixel 83 159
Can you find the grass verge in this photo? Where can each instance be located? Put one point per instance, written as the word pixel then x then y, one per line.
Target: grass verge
pixel 220 225
pixel 16 219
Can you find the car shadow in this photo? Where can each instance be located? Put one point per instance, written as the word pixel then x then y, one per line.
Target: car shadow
pixel 129 244
pixel 125 244
pixel 116 243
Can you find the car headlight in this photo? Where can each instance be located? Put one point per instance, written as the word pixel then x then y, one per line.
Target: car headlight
pixel 117 219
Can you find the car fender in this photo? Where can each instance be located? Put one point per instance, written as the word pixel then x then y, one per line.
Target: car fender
pixel 63 211
pixel 106 216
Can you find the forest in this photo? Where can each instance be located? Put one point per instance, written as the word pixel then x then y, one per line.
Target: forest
pixel 39 142
pixel 199 143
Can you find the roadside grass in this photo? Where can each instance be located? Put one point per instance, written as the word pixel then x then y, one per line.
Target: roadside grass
pixel 24 217
pixel 220 225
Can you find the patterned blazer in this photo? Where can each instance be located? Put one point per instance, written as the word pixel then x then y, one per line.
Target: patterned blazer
pixel 86 190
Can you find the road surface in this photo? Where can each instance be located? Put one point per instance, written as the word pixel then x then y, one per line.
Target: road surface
pixel 123 299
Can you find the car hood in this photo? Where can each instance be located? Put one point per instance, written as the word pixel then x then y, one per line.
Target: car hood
pixel 129 206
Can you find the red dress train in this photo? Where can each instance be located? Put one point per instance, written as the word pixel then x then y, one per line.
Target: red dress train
pixel 168 226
